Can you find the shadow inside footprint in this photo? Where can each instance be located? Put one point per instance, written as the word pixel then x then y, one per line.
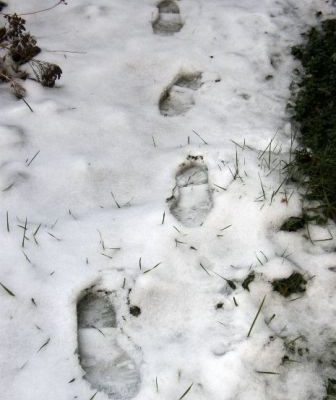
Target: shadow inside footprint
pixel 191 201
pixel 108 368
pixel 169 20
pixel 178 98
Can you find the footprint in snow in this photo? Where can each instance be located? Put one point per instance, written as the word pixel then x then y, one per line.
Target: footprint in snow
pixel 108 368
pixel 178 98
pixel 191 200
pixel 168 20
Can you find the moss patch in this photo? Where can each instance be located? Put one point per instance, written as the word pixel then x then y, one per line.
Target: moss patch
pixel 331 389
pixel 287 286
pixel 293 224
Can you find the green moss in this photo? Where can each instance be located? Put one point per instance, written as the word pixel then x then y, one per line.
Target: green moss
pixel 294 284
pixel 331 389
pixel 293 224
pixel 315 112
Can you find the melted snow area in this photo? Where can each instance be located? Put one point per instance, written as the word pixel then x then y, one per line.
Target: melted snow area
pixel 158 174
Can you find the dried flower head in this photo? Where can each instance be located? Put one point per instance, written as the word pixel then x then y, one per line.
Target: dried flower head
pixel 15 26
pixel 46 73
pixel 19 47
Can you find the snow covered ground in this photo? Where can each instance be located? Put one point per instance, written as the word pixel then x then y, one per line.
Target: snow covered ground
pixel 184 101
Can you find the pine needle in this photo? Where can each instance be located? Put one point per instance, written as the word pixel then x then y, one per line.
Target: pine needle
pixel 24 233
pixel 7 290
pixel 117 204
pixel 151 269
pixel 204 269
pixel 92 397
pixel 44 345
pixel 257 315
pixel 186 392
pixel 36 154
pixel 7 221
pixel 197 134
pixel 268 372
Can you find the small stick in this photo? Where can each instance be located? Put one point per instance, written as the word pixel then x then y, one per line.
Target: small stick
pixel 117 204
pixel 44 345
pixel 7 220
pixel 94 327
pixel 163 217
pixel 101 240
pixel 186 392
pixel 257 315
pixel 37 229
pixel 92 397
pixel 58 239
pixel 33 158
pixel 268 372
pixel 26 257
pixel 7 290
pixel 151 269
pixel 311 241
pixel 204 268
pixel 264 255
pixel 154 144
pixel 220 187
pixel 24 233
pixel 226 227
pixel 43 10
pixel 25 101
pixel 200 137
pixel 106 255
pixel 271 319
pixel 65 51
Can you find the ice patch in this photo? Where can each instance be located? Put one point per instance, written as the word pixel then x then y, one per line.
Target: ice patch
pixel 178 98
pixel 108 368
pixel 169 20
pixel 191 201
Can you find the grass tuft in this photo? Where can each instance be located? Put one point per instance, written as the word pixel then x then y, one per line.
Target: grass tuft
pixel 314 112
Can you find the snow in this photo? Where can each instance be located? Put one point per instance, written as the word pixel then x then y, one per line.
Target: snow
pixel 97 217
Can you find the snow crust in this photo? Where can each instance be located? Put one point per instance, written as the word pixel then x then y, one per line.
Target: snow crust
pixel 97 216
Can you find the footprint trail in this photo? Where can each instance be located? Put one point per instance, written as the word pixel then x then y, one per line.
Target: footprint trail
pixel 179 97
pixel 191 201
pixel 169 20
pixel 108 368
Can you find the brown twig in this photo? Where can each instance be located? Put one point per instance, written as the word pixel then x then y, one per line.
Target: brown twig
pixel 40 11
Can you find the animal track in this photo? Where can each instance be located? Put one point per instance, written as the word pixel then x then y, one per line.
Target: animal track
pixel 191 201
pixel 178 98
pixel 108 368
pixel 169 20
